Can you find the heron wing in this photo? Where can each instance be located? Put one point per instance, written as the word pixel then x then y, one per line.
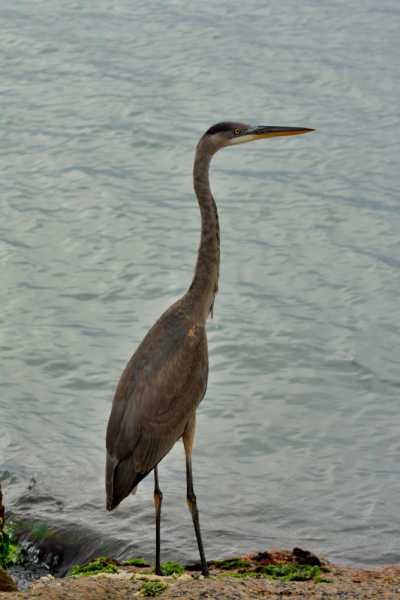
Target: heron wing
pixel 158 392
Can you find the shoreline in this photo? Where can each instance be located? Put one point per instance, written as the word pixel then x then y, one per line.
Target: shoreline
pixel 245 576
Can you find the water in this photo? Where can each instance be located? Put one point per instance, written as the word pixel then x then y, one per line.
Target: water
pixel 298 436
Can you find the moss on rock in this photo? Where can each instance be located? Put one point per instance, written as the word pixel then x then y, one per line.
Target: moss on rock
pixel 99 565
pixel 171 568
pixel 230 563
pixel 6 583
pixel 135 562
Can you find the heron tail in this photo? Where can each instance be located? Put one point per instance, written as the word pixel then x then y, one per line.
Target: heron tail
pixel 121 479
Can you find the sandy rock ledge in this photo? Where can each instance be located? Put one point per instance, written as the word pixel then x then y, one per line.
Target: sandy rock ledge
pixel 382 583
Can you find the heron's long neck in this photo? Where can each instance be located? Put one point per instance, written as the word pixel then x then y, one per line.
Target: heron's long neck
pixel 204 286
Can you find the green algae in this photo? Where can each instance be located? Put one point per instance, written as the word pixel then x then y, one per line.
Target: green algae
pixel 241 575
pixel 4 549
pixel 293 573
pixel 99 565
pixel 230 563
pixel 135 562
pixel 171 568
pixel 24 542
pixel 8 552
pixel 152 588
pixel 281 572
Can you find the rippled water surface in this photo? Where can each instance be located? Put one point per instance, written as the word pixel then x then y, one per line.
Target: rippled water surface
pixel 297 440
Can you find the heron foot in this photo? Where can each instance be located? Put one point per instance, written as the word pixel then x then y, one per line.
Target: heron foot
pixel 159 572
pixel 206 572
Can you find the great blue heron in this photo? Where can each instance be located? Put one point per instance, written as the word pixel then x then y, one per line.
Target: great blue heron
pixel 165 380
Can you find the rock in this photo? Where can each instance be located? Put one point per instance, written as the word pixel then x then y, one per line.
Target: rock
pixel 6 583
pixel 304 557
pixel 197 566
pixel 260 556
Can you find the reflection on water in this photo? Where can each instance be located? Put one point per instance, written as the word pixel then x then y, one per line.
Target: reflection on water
pixel 297 437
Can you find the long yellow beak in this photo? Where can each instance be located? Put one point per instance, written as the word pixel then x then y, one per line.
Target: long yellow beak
pixel 259 133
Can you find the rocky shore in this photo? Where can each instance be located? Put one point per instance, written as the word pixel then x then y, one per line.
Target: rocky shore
pixel 297 574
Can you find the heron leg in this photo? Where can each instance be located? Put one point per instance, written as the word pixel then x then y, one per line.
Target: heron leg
pixel 157 500
pixel 188 438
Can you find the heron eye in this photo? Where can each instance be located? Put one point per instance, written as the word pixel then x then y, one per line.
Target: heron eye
pixel 237 131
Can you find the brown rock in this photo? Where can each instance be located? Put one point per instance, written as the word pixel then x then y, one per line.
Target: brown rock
pixel 261 557
pixel 304 557
pixel 6 583
pixel 382 583
pixel 229 588
pixel 78 588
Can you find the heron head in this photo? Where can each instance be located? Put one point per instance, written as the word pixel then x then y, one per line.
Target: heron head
pixel 231 133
